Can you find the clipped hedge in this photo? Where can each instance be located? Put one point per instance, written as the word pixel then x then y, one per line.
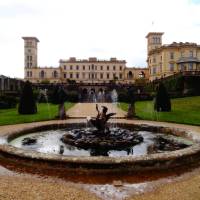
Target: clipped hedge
pixel 8 102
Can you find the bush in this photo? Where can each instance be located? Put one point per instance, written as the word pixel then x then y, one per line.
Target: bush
pixel 27 103
pixel 58 95
pixel 73 96
pixel 162 100
pixel 8 102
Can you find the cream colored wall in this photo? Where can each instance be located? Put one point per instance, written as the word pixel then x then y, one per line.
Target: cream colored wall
pixel 97 70
pixel 166 60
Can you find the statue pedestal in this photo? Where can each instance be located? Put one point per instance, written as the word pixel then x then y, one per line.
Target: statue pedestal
pixel 131 111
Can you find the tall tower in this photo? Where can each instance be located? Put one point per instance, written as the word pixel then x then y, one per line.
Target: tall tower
pixel 154 40
pixel 30 52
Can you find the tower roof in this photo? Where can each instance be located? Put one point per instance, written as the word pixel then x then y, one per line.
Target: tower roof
pixel 154 33
pixel 30 38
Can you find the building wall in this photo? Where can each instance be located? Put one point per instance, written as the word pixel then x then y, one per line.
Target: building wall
pixel 89 70
pixel 172 58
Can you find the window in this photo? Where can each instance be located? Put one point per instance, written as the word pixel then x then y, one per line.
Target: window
pixel 191 54
pixel 83 67
pixel 55 74
pixel 30 58
pixel 114 67
pixel 171 54
pixel 30 64
pixel 95 67
pixel 182 53
pixel 65 75
pixel 154 70
pixel 190 66
pixel 65 67
pixel 101 67
pixel 108 76
pixel 27 57
pixel 77 67
pixel 92 76
pixel 114 75
pixel 101 75
pixel 71 75
pixel 120 68
pixel 108 67
pixel 27 73
pixel 171 67
pixel 182 67
pixel 89 67
pixel 160 58
pixel 77 75
pixel 42 74
pixel 92 67
pixel 120 75
pixel 30 73
pixel 71 67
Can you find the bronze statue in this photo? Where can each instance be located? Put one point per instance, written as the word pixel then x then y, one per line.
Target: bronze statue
pixel 101 119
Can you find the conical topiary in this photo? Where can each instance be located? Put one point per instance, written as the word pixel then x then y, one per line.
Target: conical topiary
pixel 27 104
pixel 162 100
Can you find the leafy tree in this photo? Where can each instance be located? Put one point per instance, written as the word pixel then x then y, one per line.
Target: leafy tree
pixel 27 104
pixel 162 100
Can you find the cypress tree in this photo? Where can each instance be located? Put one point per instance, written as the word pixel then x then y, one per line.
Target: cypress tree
pixel 27 104
pixel 162 100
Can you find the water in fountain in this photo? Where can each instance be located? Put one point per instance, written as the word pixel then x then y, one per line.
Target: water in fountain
pixel 114 99
pixel 43 94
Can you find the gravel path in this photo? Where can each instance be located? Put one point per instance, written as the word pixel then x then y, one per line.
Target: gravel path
pixel 81 110
pixel 20 188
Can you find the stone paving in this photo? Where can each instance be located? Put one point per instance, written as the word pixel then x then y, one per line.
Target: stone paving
pixel 82 110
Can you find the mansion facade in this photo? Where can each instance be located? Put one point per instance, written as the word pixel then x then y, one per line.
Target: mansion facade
pixel 90 70
pixel 162 60
pixel 169 59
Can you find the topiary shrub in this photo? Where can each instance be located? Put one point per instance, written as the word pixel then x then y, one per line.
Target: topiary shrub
pixel 162 101
pixel 27 104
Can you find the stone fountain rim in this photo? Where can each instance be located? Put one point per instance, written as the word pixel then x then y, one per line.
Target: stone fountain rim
pixel 168 157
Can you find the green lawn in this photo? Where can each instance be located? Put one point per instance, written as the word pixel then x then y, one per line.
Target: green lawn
pixel 184 110
pixel 45 112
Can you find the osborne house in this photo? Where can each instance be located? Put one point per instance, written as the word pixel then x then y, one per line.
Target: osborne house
pixel 90 70
pixel 162 60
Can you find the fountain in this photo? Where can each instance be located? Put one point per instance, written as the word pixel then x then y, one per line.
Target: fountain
pixel 100 146
pixel 101 138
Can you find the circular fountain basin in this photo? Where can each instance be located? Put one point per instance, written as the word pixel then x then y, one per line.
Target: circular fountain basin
pixel 48 148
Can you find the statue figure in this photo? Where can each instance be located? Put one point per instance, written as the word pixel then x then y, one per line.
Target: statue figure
pixel 101 119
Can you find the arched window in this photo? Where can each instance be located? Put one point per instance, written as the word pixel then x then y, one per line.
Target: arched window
pixel 42 74
pixel 141 74
pixel 130 75
pixel 55 74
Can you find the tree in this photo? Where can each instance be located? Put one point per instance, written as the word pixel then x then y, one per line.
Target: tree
pixel 27 104
pixel 162 100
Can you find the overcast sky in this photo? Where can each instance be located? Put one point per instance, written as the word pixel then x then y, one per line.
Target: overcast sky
pixel 91 28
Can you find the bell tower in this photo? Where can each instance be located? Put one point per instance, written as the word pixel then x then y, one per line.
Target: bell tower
pixel 154 40
pixel 30 52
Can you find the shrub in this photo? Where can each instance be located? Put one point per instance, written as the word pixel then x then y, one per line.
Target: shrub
pixel 58 95
pixel 162 100
pixel 72 96
pixel 27 103
pixel 8 102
